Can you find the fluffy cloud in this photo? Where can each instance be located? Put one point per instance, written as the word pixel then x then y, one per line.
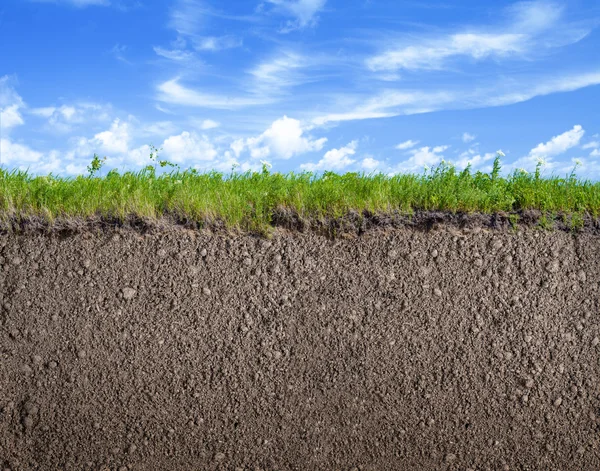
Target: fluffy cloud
pixel 10 117
pixel 11 104
pixel 422 157
pixel 369 163
pixel 558 144
pixel 188 147
pixel 114 140
pixel 546 151
pixel 471 157
pixel 334 159
pixel 284 139
pixel 65 118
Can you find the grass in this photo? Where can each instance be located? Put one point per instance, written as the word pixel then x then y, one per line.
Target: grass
pixel 247 200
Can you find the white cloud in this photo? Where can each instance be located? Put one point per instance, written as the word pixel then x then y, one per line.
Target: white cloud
pixel 10 105
pixel 209 124
pixel 172 92
pixel 532 26
pixel 284 139
pixel 595 153
pixel 421 157
pixel 304 12
pixel 277 73
pixel 466 137
pixel 558 144
pixel 18 154
pixel 545 152
pixel 407 144
pixel 334 159
pixel 433 54
pixel 10 117
pixel 591 145
pixel 473 158
pixel 389 103
pixel 189 147
pixel 216 43
pixel 369 163
pixel 159 128
pixel 114 140
pixel 64 118
pixel 177 55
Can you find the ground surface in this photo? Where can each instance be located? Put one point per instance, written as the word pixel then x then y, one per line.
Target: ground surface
pixel 398 350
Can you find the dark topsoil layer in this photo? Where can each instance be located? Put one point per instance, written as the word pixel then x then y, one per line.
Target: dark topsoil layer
pixel 399 349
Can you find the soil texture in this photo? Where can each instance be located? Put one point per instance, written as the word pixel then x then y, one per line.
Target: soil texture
pixel 399 349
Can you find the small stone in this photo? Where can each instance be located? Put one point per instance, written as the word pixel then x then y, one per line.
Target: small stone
pixel 277 355
pixel 161 253
pixel 595 342
pixel 123 468
pixel 26 369
pixel 206 291
pixel 81 354
pixel 528 338
pixel 478 262
pixel 247 262
pixel 553 266
pixel 31 408
pixel 37 359
pixel 16 261
pixel 581 276
pixel 434 253
pixel 529 383
pixel 86 263
pixel 497 244
pixel 28 422
pixel 437 292
pixel 219 456
pixel 450 458
pixel 558 402
pixel 132 448
pixel 129 293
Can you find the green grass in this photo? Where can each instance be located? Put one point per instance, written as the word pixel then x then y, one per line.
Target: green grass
pixel 247 200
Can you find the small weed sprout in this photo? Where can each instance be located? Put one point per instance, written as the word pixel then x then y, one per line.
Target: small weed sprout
pixel 95 165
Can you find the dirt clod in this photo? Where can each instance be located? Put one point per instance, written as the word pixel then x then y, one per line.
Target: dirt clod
pixel 129 293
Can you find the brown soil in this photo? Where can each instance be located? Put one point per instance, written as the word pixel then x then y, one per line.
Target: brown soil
pixel 396 350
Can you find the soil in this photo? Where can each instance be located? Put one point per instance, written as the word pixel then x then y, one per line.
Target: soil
pixel 398 349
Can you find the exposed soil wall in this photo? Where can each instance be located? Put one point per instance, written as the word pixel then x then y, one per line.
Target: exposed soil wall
pixel 399 350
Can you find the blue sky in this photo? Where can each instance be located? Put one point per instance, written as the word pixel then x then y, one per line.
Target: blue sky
pixel 342 85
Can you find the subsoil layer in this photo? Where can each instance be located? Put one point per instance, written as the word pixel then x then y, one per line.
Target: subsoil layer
pixel 396 350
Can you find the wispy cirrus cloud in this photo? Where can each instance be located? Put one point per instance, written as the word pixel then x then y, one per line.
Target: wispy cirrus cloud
pixel 304 12
pixel 532 27
pixel 389 103
pixel 174 93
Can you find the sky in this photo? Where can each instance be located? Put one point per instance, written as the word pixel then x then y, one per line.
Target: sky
pixel 303 85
